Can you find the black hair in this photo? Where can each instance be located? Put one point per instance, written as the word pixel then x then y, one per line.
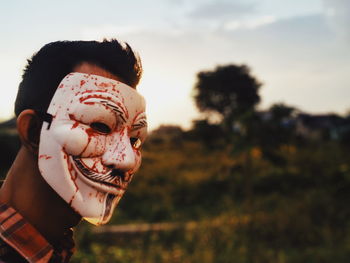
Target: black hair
pixel 54 61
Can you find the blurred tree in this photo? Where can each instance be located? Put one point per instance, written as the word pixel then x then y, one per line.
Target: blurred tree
pixel 166 134
pixel 210 135
pixel 276 128
pixel 229 91
pixel 281 111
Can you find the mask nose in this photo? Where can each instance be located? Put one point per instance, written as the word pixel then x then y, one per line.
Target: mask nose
pixel 119 153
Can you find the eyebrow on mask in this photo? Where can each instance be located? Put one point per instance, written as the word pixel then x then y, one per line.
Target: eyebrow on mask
pixel 119 110
pixel 139 125
pixel 109 100
pixel 140 121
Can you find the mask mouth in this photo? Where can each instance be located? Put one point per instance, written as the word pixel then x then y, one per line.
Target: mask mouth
pixel 109 180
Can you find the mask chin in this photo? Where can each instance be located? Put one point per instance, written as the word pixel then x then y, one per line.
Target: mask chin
pixel 94 206
pixel 110 203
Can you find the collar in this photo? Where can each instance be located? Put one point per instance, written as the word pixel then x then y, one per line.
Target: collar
pixel 18 234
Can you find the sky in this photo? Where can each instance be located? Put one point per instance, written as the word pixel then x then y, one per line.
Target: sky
pixel 298 49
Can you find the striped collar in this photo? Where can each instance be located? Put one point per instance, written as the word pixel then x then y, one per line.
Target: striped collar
pixel 19 235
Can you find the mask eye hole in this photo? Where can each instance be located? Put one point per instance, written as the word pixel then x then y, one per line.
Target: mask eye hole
pixel 135 142
pixel 100 127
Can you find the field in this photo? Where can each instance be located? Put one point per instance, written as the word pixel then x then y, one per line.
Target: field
pixel 292 212
pixel 203 200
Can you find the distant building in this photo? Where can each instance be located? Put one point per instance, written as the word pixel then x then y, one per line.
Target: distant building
pixel 327 126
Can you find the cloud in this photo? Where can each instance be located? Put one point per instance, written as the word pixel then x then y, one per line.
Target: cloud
pixel 298 59
pixel 338 14
pixel 293 57
pixel 221 10
pixel 108 31
pixel 252 23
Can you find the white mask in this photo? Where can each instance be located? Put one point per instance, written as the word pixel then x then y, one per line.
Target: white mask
pixel 90 150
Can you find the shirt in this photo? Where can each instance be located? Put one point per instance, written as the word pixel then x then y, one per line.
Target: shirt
pixel 20 240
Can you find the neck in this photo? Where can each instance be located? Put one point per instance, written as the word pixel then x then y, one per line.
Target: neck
pixel 27 192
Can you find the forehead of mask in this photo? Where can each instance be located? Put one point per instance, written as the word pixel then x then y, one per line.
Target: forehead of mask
pixel 90 98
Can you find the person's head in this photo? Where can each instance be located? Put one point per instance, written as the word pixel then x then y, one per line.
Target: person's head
pixel 54 61
pixel 93 121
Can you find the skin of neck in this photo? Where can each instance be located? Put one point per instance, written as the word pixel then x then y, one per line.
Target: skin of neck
pixel 27 192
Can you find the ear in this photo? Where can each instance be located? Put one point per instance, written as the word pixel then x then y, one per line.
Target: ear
pixel 28 127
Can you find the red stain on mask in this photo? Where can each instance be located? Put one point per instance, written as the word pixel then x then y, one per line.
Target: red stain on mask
pixel 44 156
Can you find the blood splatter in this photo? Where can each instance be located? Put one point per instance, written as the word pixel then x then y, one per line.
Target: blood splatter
pixel 90 133
pixel 73 176
pixel 104 85
pixel 44 156
pixel 76 123
pixel 94 96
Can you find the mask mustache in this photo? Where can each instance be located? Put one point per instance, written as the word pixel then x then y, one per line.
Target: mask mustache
pixel 114 177
pixel 117 172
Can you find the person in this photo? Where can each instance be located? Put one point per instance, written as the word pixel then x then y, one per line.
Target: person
pixel 81 123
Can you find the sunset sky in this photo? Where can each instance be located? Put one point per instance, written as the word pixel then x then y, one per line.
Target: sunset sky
pixel 298 49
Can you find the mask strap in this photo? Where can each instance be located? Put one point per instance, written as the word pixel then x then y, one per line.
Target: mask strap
pixel 44 116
